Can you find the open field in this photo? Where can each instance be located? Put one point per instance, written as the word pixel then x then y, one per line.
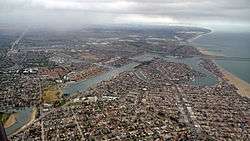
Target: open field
pixel 51 94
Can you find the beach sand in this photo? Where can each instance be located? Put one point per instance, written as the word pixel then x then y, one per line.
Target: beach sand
pixel 11 120
pixel 32 118
pixel 243 86
pixel 206 52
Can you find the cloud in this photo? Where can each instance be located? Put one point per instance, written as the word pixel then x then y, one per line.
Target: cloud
pixel 137 11
pixel 86 5
pixel 133 19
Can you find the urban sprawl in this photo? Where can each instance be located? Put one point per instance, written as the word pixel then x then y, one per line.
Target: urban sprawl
pixel 110 83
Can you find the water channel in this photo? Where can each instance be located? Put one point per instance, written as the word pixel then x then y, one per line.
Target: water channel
pixel 193 62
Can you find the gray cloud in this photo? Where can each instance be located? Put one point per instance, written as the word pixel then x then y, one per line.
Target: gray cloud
pixel 197 12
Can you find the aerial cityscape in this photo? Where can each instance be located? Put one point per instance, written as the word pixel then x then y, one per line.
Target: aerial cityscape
pixel 121 81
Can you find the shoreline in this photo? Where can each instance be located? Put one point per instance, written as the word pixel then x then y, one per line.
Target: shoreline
pixel 192 39
pixel 32 118
pixel 11 120
pixel 242 86
pixel 205 51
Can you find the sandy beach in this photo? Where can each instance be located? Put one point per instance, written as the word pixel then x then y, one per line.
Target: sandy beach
pixel 205 51
pixel 11 120
pixel 243 86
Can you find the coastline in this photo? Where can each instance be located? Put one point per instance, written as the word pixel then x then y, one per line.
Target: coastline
pixel 192 39
pixel 242 86
pixel 206 51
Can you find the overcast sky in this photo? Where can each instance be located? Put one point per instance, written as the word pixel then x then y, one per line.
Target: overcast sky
pixel 210 13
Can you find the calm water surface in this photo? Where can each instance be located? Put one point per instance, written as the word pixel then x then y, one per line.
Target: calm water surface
pixel 22 118
pixel 81 86
pixel 231 45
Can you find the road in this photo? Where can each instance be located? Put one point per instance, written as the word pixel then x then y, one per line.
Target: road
pixel 78 126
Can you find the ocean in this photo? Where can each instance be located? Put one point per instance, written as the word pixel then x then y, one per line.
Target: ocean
pixel 229 44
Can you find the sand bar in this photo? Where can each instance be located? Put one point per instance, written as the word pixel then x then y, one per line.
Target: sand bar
pixel 11 120
pixel 32 118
